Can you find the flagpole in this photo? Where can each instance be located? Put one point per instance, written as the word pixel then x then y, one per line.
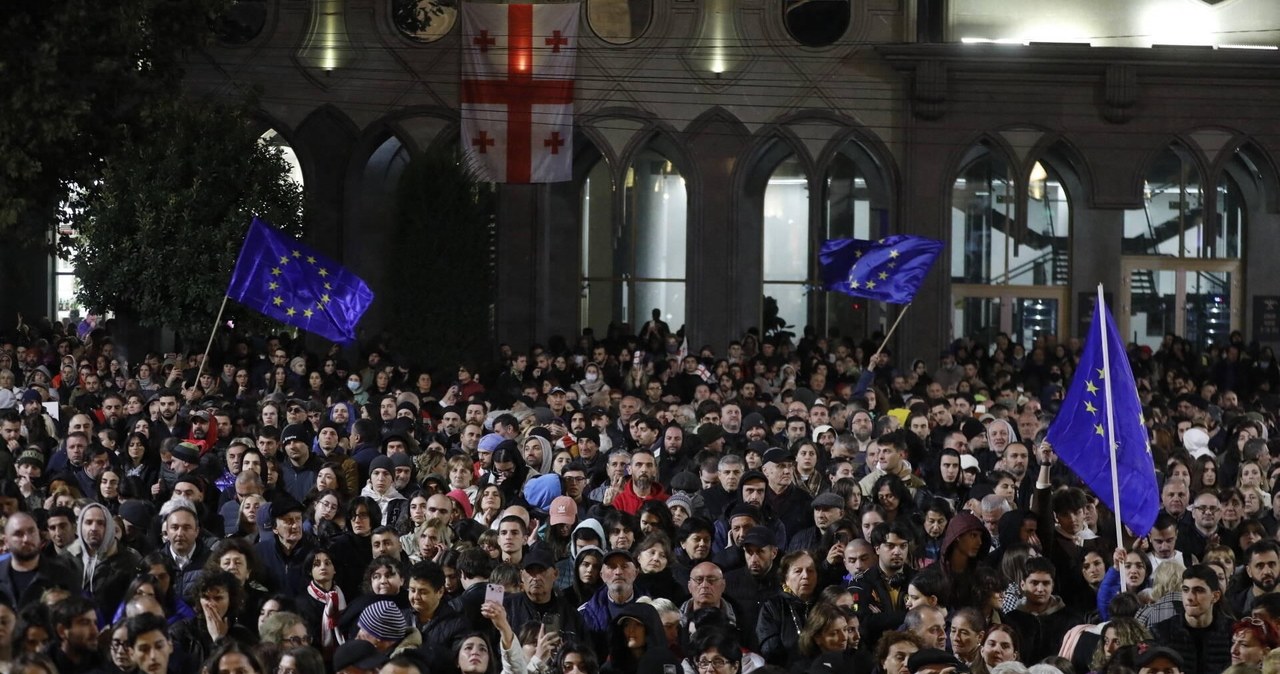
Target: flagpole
pixel 209 346
pixel 1111 422
pixel 891 329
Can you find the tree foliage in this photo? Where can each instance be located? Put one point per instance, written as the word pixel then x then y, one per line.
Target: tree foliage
pixel 158 233
pixel 79 76
pixel 441 280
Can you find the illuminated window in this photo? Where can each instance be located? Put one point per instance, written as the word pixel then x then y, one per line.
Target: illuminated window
pixel 1172 223
pixel 641 267
pixel 424 20
pixel 787 243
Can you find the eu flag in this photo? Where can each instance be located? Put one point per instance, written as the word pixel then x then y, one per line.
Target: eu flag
pixel 1078 434
pixel 280 277
pixel 890 269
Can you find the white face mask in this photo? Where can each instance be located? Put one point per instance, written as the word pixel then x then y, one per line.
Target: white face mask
pixel 353 385
pixel 592 376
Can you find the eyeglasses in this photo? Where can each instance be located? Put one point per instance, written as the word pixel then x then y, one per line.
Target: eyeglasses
pixel 712 664
pixel 117 645
pixel 1206 509
pixel 303 640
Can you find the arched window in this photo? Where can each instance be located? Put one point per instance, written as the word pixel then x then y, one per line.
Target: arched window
pixel 857 206
pixel 816 23
pixel 636 263
pixel 1009 273
pixel 1182 264
pixel 787 245
pixel 619 21
pixel 424 20
pixel 273 139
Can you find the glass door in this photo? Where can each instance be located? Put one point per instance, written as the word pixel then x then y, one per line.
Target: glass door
pixel 1198 300
pixel 1023 313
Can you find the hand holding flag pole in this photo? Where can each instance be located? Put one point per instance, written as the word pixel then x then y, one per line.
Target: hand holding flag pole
pixel 1100 432
pixel 891 269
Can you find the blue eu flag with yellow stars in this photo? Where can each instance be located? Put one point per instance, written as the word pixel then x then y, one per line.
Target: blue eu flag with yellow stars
pixel 1078 433
pixel 280 277
pixel 890 269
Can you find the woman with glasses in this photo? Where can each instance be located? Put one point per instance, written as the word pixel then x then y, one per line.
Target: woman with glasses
pixel 325 515
pixel 119 658
pixel 285 629
pixel 363 515
pixel 714 651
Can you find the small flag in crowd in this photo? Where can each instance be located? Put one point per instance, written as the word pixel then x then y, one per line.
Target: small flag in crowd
pixel 1078 434
pixel 890 270
pixel 280 277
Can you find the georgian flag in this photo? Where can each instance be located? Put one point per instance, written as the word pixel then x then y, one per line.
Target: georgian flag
pixel 517 90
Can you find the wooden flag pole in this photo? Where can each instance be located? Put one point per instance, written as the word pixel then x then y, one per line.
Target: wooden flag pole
pixel 891 329
pixel 217 321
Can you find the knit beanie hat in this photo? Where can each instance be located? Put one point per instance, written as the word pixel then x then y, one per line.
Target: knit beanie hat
pixel 384 620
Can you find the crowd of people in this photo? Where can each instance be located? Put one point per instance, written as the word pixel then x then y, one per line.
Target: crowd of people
pixel 619 505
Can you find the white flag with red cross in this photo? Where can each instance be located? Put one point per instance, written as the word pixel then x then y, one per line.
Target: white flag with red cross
pixel 517 90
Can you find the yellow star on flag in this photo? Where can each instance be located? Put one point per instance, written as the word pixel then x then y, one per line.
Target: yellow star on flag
pixel 1098 429
pixel 323 271
pixel 307 313
pixel 327 286
pixel 1101 374
pixel 884 275
pixel 320 306
pixel 324 299
pixel 1089 385
pixel 853 284
pixel 284 259
pixel 892 265
pixel 857 253
pixel 275 271
pixel 871 285
pixel 278 301
pixel 297 253
pixel 290 311
pixel 1088 406
pixel 893 253
pixel 273 286
pixel 311 259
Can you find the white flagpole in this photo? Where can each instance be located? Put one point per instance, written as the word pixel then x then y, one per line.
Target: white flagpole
pixel 1111 424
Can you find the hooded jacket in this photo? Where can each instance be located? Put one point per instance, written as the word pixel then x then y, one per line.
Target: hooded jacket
pixel 105 576
pixel 1042 633
pixel 965 592
pixel 619 658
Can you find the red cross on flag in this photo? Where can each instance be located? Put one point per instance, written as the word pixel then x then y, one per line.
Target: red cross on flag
pixel 517 90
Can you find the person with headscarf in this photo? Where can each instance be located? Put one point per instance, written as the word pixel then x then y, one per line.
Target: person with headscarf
pixel 964 545
pixel 637 642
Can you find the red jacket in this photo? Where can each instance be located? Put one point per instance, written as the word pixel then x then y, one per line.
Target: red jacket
pixel 628 502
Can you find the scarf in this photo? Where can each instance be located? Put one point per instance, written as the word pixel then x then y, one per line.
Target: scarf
pixel 334 604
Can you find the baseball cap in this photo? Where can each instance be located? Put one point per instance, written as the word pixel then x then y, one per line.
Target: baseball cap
pixel 968 462
pixel 619 551
pixel 759 537
pixel 933 657
pixel 778 455
pixel 563 510
pixel 1148 652
pixel 537 558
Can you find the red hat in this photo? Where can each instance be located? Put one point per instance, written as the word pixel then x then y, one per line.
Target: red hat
pixel 461 497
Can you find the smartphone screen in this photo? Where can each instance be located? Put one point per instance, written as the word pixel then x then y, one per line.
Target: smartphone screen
pixel 494 592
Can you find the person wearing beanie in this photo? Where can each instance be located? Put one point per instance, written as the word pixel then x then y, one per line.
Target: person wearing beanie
pixel 382 624
pixel 299 468
pixel 381 488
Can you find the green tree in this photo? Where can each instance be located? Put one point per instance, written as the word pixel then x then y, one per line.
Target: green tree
pixel 441 279
pixel 159 232
pixel 79 76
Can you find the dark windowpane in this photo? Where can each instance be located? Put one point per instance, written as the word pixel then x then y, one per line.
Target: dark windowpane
pixel 816 23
